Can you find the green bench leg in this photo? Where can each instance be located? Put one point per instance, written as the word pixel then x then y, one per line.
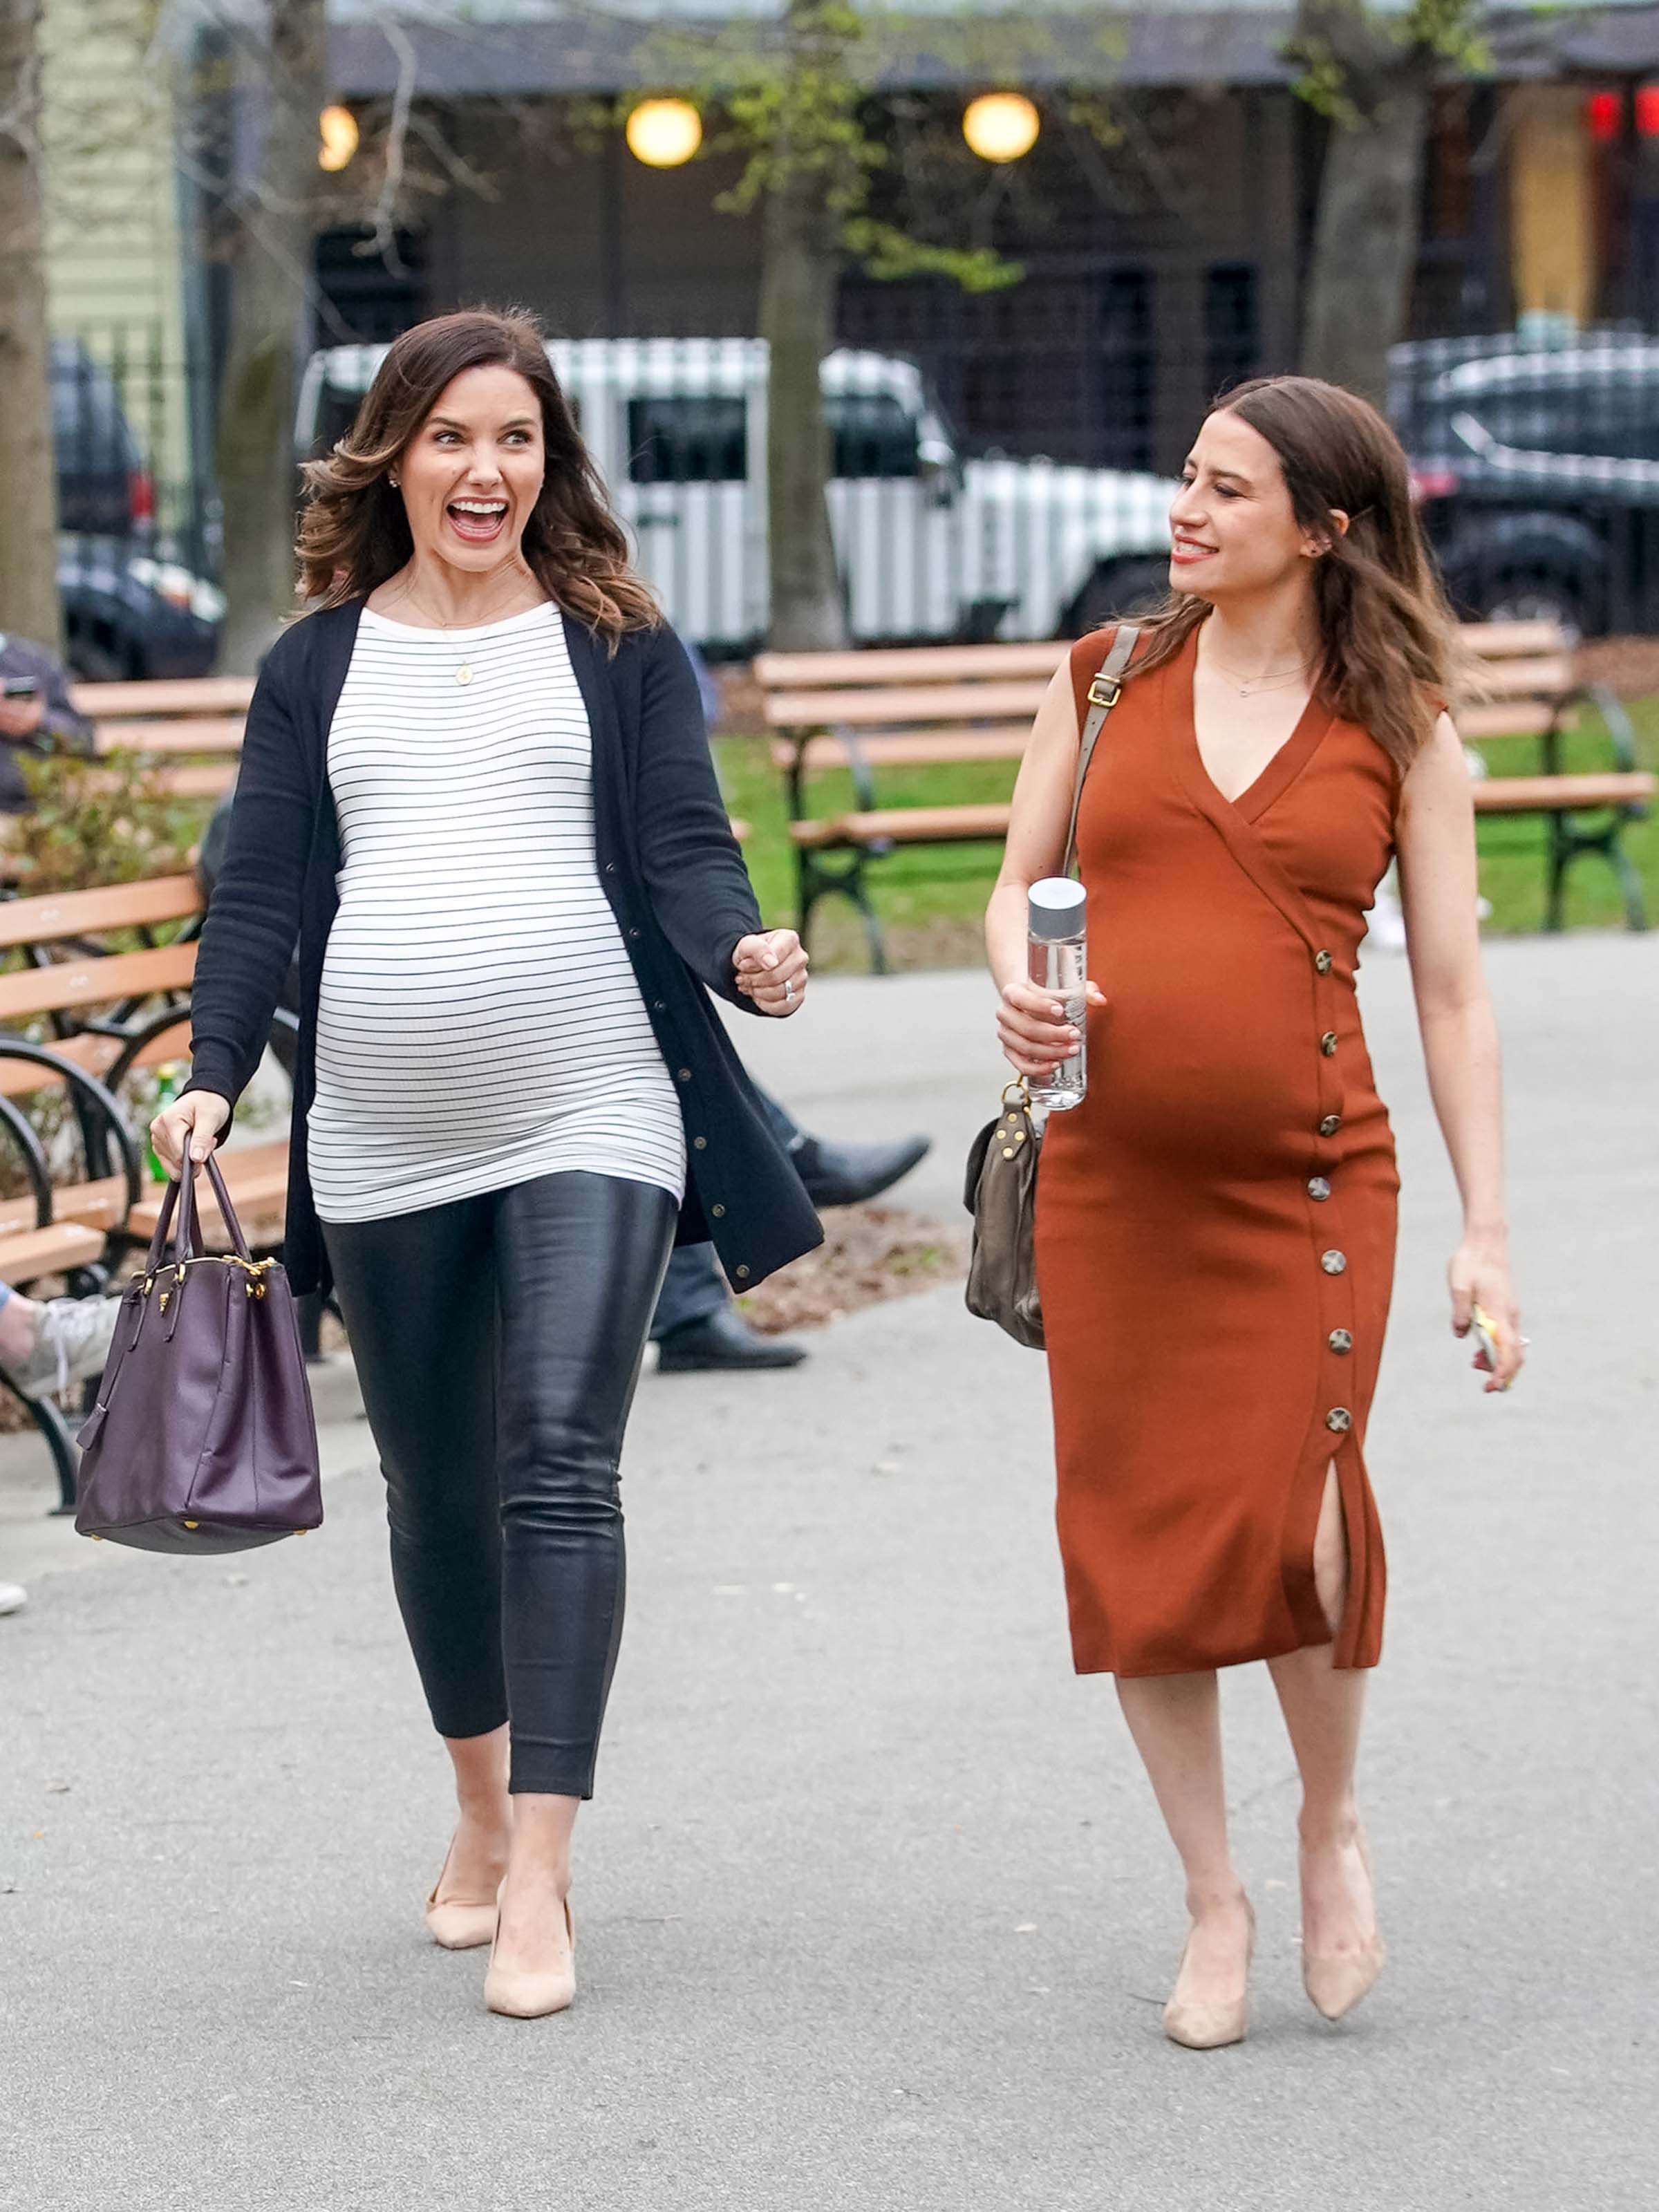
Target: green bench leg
pixel 817 882
pixel 1568 843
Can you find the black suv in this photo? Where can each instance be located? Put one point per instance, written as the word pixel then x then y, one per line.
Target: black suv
pixel 1538 474
pixel 129 611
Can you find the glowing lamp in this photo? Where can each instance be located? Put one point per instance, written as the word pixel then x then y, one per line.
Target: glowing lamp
pixel 664 133
pixel 1001 126
pixel 336 127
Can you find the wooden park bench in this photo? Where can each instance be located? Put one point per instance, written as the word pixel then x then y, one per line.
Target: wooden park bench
pixel 188 730
pixel 104 1013
pixel 931 706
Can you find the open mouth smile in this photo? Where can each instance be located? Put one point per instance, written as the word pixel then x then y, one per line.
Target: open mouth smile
pixel 479 521
pixel 1185 548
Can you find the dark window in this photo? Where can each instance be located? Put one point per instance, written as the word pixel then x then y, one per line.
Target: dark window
pixel 875 434
pixel 703 441
pixel 373 296
pixel 1618 419
pixel 1233 330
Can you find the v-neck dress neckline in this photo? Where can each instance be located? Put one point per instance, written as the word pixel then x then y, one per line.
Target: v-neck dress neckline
pixel 1286 763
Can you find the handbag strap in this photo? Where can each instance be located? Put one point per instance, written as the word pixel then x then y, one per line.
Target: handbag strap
pixel 1104 693
pixel 181 1195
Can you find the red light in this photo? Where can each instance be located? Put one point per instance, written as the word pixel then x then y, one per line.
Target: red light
pixel 1647 110
pixel 141 495
pixel 1604 113
pixel 1433 483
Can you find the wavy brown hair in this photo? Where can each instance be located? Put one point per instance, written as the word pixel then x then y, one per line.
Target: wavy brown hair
pixel 354 532
pixel 1390 659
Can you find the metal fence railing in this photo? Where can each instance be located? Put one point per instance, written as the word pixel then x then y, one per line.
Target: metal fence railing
pixel 992 476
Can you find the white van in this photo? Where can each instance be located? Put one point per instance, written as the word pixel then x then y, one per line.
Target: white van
pixel 930 545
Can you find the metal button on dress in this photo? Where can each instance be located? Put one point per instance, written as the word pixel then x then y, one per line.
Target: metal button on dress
pixel 1323 961
pixel 1334 1263
pixel 1318 1188
pixel 1330 1125
pixel 1339 1418
pixel 1340 1340
pixel 1328 1043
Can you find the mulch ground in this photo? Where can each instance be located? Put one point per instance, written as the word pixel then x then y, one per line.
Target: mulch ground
pixel 869 1253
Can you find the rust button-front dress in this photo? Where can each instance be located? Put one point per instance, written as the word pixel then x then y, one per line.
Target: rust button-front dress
pixel 1215 1223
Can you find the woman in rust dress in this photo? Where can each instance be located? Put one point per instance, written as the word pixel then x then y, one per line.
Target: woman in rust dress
pixel 1216 1221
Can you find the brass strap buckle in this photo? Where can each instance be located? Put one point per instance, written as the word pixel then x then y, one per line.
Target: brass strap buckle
pixel 1105 691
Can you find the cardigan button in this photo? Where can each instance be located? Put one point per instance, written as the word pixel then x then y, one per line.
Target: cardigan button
pixel 742 1274
pixel 611 867
pixel 684 1074
pixel 700 1144
pixel 659 1006
pixel 633 933
pixel 718 1213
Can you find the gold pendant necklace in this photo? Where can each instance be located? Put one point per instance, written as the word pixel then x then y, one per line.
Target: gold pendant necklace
pixel 463 673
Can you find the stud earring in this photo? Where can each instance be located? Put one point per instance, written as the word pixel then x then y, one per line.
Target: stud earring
pixel 392 481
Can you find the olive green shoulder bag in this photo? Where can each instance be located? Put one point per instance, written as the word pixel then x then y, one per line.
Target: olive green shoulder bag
pixel 1002 1161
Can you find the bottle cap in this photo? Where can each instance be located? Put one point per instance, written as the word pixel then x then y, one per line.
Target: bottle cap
pixel 1054 908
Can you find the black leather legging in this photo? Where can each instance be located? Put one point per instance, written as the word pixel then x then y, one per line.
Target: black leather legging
pixel 498 1342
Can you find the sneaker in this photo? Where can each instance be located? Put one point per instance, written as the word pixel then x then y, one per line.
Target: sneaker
pixel 13 1597
pixel 72 1338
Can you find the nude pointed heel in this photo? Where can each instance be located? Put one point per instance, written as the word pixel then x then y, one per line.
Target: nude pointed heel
pixel 1211 2027
pixel 518 1994
pixel 1336 1981
pixel 457 1924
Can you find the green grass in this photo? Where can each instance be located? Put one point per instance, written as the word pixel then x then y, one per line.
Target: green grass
pixel 931 897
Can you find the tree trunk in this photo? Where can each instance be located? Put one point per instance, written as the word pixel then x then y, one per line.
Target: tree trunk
pixel 28 482
pixel 270 281
pixel 797 320
pixel 1366 231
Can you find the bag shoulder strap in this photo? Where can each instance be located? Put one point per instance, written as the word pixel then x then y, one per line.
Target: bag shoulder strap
pixel 1104 693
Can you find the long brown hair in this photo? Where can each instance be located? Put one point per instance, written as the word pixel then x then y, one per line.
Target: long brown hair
pixel 1389 644
pixel 354 532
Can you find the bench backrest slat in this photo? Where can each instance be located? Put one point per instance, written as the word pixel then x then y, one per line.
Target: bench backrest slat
pixel 170 696
pixel 57 914
pixel 95 982
pixel 207 734
pixel 903 708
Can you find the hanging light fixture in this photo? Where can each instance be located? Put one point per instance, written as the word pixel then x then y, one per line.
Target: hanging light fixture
pixel 664 133
pixel 336 128
pixel 1001 126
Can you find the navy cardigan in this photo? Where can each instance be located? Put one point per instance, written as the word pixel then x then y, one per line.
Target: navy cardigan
pixel 670 867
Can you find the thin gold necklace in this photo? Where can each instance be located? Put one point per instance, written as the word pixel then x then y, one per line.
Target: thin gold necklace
pixel 463 673
pixel 1271 680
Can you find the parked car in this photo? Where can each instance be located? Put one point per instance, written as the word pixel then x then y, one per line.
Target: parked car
pixel 931 544
pixel 129 611
pixel 1538 477
pixel 129 615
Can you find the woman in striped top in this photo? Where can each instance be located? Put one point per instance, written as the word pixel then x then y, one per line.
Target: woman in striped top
pixel 476 783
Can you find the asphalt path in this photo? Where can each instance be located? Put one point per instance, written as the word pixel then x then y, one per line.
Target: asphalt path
pixel 873 1908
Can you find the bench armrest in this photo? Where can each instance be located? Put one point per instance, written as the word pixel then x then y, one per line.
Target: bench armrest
pixel 88 1093
pixel 1622 734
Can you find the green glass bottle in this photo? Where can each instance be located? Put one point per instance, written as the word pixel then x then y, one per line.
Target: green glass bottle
pixel 167 1089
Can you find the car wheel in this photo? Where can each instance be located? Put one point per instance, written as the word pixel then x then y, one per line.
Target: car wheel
pixel 93 663
pixel 1116 589
pixel 1532 598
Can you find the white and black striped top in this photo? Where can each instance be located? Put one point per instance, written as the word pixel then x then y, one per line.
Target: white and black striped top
pixel 480 1023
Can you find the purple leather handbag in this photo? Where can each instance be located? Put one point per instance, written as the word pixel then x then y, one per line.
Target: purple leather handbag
pixel 202 1438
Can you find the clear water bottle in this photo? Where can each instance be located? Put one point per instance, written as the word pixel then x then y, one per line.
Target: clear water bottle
pixel 1057 961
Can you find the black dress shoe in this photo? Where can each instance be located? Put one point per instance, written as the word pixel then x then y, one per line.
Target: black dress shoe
pixel 723 1339
pixel 848 1174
